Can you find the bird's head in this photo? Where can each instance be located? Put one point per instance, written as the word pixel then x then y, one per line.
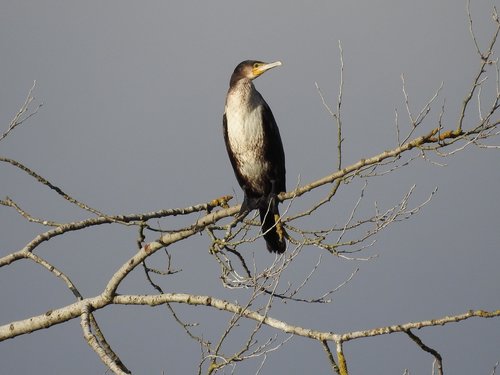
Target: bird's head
pixel 251 69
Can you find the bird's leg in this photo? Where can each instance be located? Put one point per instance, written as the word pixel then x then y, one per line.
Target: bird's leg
pixel 273 197
pixel 249 204
pixel 244 210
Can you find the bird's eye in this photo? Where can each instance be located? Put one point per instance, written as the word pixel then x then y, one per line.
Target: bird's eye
pixel 256 65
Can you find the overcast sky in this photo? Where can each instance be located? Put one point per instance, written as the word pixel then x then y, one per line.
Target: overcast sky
pixel 133 96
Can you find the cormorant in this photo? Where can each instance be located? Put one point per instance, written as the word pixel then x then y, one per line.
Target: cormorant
pixel 254 147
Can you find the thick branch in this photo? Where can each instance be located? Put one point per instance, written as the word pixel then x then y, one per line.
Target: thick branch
pixel 417 325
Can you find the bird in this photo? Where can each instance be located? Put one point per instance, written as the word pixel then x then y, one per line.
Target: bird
pixel 255 150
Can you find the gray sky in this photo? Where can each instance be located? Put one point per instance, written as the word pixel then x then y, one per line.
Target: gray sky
pixel 133 95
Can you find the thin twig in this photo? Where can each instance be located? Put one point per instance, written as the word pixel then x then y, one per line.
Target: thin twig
pixel 437 356
pixel 23 114
pixel 329 355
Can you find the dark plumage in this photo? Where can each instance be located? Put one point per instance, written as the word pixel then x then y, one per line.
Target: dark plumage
pixel 255 150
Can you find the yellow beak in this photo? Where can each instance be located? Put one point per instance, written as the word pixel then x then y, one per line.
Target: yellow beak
pixel 257 71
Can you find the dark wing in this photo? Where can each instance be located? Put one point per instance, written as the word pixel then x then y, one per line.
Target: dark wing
pixel 274 149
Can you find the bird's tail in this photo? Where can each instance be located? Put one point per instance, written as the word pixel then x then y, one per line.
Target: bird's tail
pixel 272 228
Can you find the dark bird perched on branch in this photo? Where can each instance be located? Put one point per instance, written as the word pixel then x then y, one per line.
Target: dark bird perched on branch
pixel 254 146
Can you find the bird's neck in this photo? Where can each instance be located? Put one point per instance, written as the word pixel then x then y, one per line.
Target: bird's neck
pixel 242 93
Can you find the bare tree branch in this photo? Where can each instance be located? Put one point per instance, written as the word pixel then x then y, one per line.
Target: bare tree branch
pixel 329 354
pixel 227 233
pixel 24 113
pixel 437 356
